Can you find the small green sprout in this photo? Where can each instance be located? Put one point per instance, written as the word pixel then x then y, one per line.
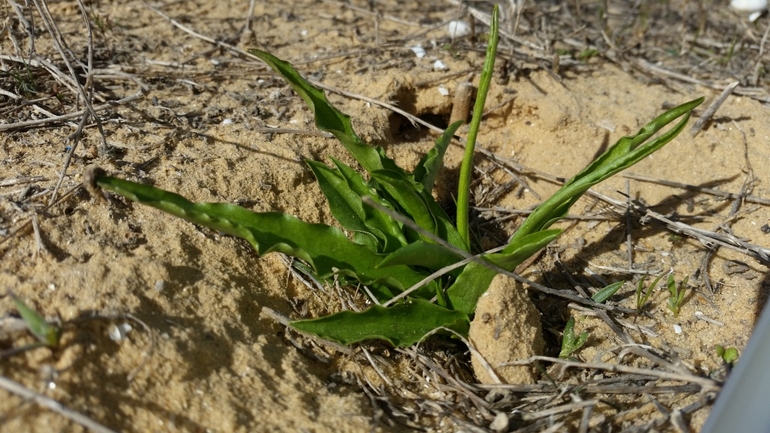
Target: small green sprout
pixel 571 342
pixel 643 294
pixel 676 293
pixel 728 354
pixel 606 293
pixel 47 333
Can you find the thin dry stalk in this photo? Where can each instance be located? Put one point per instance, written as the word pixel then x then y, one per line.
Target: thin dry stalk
pixel 52 405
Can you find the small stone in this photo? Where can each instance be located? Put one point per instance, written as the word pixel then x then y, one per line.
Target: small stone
pixel 500 423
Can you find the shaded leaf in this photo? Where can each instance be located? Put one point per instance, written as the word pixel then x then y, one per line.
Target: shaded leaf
pixel 377 221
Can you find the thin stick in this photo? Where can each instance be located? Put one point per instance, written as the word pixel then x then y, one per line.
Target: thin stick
pixel 629 235
pixel 53 405
pixel 705 383
pixel 706 116
pixel 68 116
pixel 710 191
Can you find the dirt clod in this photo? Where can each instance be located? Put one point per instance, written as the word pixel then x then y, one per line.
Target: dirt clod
pixel 506 329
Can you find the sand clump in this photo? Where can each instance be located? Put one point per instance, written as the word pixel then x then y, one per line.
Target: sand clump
pixel 506 328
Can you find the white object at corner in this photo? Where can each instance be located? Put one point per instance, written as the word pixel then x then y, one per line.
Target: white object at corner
pixel 748 5
pixel 742 404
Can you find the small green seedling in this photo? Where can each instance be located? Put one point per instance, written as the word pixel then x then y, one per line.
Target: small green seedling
pixel 606 293
pixel 643 294
pixel 728 354
pixel 47 333
pixel 571 342
pixel 676 293
pixel 395 260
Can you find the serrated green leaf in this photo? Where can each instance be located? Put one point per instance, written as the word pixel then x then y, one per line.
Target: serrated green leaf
pixel 430 164
pixel 325 248
pixel 377 221
pixel 401 325
pixel 476 278
pixel 328 118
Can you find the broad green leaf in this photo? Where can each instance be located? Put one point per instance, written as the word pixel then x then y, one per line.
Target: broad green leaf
pixel 325 248
pixel 45 332
pixel 420 253
pixel 476 278
pixel 401 325
pixel 328 118
pixel 346 206
pixel 377 221
pixel 623 154
pixel 430 164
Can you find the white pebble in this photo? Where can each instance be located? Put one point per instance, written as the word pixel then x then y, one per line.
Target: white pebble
pixel 677 329
pixel 418 51
pixel 443 90
pixel 458 29
pixel 119 332
pixel 438 65
pixel 749 5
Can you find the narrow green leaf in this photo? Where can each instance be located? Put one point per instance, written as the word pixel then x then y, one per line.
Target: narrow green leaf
pixel 607 292
pixel 401 325
pixel 623 154
pixel 47 333
pixel 466 168
pixel 325 248
pixel 430 164
pixel 476 278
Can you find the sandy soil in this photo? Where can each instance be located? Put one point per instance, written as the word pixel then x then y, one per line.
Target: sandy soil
pixel 207 361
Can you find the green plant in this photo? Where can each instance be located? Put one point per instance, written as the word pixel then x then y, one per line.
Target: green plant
pixel 643 294
pixel 47 333
pixel 676 293
pixel 728 354
pixel 393 258
pixel 606 293
pixel 571 342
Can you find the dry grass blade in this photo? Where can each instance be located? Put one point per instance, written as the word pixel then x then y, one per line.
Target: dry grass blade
pixel 53 405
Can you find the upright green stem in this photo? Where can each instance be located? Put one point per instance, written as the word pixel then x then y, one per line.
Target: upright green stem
pixel 466 169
